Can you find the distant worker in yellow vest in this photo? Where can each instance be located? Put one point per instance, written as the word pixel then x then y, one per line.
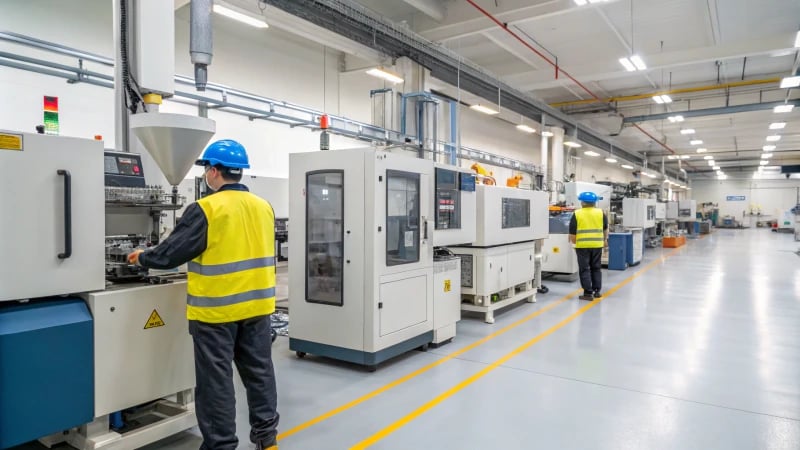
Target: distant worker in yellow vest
pixel 588 230
pixel 228 240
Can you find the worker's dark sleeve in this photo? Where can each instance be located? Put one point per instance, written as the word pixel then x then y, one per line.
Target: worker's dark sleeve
pixel 186 242
pixel 573 225
pixel 605 222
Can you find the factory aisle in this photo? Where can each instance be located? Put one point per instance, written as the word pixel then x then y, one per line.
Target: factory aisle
pixel 695 348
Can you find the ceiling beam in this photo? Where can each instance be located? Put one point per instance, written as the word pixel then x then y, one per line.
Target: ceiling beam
pixel 431 8
pixel 710 111
pixel 544 79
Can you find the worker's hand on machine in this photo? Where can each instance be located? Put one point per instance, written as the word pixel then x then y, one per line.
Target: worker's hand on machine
pixel 133 258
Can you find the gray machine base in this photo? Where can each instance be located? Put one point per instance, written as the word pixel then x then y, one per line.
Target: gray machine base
pixel 356 356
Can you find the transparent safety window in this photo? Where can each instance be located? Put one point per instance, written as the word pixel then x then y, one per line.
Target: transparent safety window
pixel 516 212
pixel 402 217
pixel 325 237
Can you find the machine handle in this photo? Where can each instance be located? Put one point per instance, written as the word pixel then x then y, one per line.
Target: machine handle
pixel 426 229
pixel 67 214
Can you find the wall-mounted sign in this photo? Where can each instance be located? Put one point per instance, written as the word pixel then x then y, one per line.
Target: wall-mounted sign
pixel 735 198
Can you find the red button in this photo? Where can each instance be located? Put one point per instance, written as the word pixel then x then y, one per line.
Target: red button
pixel 136 169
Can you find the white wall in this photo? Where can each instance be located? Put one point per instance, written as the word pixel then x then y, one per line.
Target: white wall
pixel 772 197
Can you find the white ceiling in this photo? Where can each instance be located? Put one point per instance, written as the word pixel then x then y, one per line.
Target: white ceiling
pixel 685 43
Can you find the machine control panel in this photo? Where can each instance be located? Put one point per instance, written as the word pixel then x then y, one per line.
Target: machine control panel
pixel 123 169
pixel 448 200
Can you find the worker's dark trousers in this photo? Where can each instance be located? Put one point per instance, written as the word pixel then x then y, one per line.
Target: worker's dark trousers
pixel 590 268
pixel 248 344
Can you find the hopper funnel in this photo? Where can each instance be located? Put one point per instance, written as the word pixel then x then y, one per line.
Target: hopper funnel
pixel 174 140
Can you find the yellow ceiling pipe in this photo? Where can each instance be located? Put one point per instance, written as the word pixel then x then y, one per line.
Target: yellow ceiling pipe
pixel 627 98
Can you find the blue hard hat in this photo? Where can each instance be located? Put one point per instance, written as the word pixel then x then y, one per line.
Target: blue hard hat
pixel 588 197
pixel 226 153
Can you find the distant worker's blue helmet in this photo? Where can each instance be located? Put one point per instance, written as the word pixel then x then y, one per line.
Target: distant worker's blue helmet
pixel 588 197
pixel 226 153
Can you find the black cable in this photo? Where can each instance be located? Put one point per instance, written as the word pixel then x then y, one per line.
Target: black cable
pixel 132 95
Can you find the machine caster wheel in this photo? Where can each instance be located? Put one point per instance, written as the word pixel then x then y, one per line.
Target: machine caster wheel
pixel 301 355
pixel 489 320
pixel 372 369
pixel 423 348
pixel 543 290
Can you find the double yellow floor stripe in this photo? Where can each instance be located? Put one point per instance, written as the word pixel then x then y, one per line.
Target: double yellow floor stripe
pixel 460 386
pixel 423 369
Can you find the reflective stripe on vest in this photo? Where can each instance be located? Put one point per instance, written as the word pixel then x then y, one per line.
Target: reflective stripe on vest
pixel 234 278
pixel 590 228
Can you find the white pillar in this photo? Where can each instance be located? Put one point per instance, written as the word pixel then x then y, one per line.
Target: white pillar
pixel 557 154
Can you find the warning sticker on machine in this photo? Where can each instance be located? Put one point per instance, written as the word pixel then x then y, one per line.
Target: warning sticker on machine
pixel 556 249
pixel 10 141
pixel 154 321
pixel 447 285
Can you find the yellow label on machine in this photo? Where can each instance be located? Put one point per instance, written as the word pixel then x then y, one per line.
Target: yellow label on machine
pixel 556 249
pixel 447 285
pixel 154 321
pixel 10 141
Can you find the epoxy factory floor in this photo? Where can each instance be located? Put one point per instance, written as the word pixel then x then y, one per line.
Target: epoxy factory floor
pixel 695 348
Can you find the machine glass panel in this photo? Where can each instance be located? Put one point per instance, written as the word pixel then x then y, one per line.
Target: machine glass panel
pixel 448 200
pixel 324 237
pixel 516 212
pixel 402 217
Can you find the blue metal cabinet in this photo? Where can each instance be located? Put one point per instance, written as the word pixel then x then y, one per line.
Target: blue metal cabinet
pixel 618 250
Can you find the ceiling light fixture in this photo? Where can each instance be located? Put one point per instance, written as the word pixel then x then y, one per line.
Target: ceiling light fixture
pixel 627 64
pixel 764 163
pixel 638 62
pixel 572 144
pixel 702 150
pixel 591 153
pixel 711 163
pixel 381 72
pixel 627 166
pixel 716 168
pixel 777 125
pixel 236 15
pixel 766 155
pixel 686 156
pixel 525 128
pixel 660 99
pixel 547 134
pixel 707 157
pixel 783 108
pixel 674 119
pixel 790 82
pixel 687 131
pixel 774 138
pixel 611 160
pixel 768 148
pixel 483 109
pixel 696 142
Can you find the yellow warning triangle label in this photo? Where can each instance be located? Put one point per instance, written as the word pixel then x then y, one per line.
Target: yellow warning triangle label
pixel 154 321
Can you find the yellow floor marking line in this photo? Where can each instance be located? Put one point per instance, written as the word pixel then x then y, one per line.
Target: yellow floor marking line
pixel 452 391
pixel 423 369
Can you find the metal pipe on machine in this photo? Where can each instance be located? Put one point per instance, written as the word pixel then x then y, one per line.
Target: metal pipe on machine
pixel 201 46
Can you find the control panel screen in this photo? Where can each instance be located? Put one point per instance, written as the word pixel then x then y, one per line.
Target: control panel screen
pixel 128 166
pixel 448 200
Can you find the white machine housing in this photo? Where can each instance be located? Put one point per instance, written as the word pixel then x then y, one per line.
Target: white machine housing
pixel 558 256
pixel 446 298
pixel 638 213
pixel 454 190
pixel 361 277
pixel 661 211
pixel 687 211
pixel 672 210
pixel 499 207
pixel 33 217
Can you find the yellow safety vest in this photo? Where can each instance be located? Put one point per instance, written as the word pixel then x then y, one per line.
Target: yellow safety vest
pixel 234 278
pixel 590 228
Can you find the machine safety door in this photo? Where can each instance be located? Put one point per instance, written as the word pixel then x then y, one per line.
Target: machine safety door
pixel 403 304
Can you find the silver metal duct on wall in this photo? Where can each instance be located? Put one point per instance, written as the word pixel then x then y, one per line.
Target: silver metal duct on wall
pixel 201 40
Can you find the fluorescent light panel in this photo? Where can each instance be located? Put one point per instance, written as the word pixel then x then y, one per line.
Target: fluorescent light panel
pixel 696 142
pixel 235 15
pixel 547 134
pixel 484 109
pixel 637 61
pixel 783 108
pixel 716 168
pixel 674 119
pixel 687 131
pixel 660 99
pixel 711 163
pixel 774 138
pixel 777 125
pixel 766 155
pixel 591 153
pixel 626 166
pixel 768 148
pixel 702 150
pixel 707 157
pixel 627 64
pixel 525 128
pixel 572 144
pixel 790 82
pixel 380 72
pixel 611 160
pixel 764 163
